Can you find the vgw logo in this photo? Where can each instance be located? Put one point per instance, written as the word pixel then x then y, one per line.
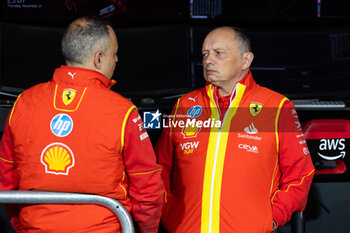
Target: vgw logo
pixel 188 147
pixel 61 125
pixel 334 148
pixel 151 120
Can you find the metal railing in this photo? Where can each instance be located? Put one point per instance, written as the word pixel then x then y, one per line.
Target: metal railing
pixel 298 223
pixel 43 197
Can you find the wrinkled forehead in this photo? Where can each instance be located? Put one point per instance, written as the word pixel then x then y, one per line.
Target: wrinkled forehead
pixel 219 37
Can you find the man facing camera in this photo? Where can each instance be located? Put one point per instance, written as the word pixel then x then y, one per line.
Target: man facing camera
pixel 249 172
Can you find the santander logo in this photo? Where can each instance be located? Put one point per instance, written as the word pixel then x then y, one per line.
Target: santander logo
pixel 251 129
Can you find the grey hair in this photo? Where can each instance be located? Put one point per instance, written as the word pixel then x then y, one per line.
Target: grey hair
pixel 83 38
pixel 241 39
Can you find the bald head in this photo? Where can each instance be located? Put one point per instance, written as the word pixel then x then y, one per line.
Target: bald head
pixel 83 38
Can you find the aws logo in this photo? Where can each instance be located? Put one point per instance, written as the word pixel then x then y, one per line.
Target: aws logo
pixel 332 149
pixel 189 147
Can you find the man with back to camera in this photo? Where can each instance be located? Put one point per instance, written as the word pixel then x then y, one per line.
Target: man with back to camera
pixel 235 158
pixel 73 134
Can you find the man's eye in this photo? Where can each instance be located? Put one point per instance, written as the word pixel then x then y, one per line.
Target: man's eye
pixel 204 54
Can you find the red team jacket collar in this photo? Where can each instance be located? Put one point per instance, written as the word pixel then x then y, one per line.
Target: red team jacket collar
pixel 247 81
pixel 81 77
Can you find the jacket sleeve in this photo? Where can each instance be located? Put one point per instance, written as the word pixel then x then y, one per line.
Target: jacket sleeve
pixel 8 173
pixel 145 184
pixel 164 150
pixel 295 166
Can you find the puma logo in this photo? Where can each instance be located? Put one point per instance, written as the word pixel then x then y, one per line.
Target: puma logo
pixel 193 99
pixel 72 75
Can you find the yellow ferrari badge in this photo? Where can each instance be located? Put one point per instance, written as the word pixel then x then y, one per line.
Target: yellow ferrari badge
pixel 68 96
pixel 255 108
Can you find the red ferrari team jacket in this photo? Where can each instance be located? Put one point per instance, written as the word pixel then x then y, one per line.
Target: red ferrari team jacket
pixel 73 134
pixel 233 172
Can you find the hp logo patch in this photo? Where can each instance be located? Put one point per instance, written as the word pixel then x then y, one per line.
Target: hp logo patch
pixel 195 111
pixel 61 125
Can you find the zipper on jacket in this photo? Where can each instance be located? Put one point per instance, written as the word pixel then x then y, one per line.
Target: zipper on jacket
pixel 216 158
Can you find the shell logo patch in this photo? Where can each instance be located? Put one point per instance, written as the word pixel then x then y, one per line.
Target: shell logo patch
pixel 190 131
pixel 255 108
pixel 68 95
pixel 57 159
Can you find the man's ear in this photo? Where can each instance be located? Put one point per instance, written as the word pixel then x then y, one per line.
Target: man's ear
pixel 247 60
pixel 98 58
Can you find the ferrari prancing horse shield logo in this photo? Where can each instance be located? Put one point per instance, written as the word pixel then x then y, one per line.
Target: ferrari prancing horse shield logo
pixel 68 96
pixel 255 108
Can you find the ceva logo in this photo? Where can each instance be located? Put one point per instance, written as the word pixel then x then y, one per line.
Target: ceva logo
pixel 330 145
pixel 249 148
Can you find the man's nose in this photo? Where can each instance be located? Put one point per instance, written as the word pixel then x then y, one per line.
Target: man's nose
pixel 208 59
